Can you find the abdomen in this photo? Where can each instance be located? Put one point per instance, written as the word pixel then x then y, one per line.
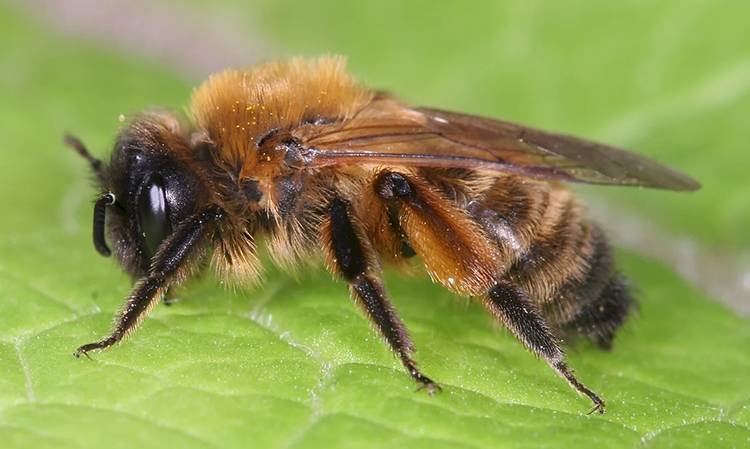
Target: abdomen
pixel 559 257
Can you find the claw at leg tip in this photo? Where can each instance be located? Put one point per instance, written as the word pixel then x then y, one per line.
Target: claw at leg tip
pixel 598 408
pixel 431 388
pixel 81 351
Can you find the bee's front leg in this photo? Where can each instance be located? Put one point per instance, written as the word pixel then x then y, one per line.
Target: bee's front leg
pixel 168 269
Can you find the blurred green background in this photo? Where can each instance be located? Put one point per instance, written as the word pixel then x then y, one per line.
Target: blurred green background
pixel 293 364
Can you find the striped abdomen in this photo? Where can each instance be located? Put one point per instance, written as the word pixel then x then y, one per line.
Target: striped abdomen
pixel 562 260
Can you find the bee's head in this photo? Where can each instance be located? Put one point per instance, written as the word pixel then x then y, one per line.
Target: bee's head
pixel 149 186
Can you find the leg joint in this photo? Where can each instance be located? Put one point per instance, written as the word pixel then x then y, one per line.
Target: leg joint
pixel 392 185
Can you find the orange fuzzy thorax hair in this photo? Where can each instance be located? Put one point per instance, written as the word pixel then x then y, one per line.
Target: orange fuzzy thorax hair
pixel 235 107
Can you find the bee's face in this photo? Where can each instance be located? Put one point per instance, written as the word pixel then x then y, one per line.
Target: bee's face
pixel 155 190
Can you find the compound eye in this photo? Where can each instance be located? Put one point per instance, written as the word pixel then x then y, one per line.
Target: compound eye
pixel 153 215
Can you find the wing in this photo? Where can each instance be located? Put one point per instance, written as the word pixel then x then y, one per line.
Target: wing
pixel 387 132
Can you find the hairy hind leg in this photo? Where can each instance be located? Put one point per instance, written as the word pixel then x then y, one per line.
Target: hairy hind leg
pixel 511 306
pixel 458 255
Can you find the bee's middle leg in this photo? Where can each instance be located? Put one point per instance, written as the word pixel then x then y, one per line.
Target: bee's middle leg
pixel 351 256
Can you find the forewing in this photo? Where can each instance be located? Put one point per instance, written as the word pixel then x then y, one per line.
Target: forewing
pixel 386 132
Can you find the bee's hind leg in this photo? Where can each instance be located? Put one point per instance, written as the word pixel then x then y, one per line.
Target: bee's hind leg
pixel 519 314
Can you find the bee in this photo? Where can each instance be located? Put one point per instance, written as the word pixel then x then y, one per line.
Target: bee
pixel 300 155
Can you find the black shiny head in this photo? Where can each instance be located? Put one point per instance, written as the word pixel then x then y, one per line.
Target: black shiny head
pixel 150 186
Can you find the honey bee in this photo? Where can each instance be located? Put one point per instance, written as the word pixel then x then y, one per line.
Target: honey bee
pixel 301 155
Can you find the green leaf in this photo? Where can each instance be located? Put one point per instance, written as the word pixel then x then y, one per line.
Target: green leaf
pixel 294 364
